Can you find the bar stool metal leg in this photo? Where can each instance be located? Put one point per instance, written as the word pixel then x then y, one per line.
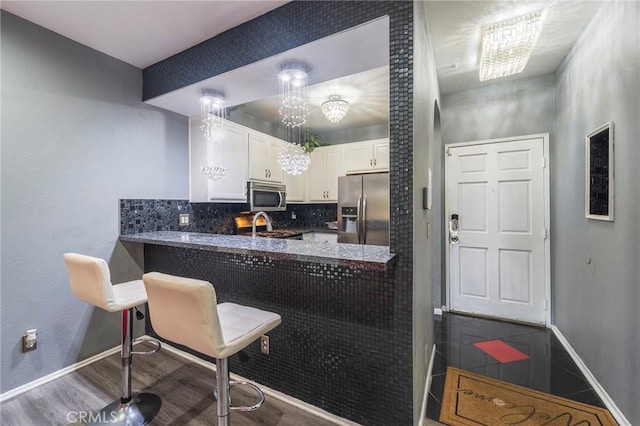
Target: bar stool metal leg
pixel 222 386
pixel 131 409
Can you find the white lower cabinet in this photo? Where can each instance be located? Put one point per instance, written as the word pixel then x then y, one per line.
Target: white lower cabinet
pixel 319 237
pixel 232 152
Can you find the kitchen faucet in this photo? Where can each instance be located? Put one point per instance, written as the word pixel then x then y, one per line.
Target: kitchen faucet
pixel 255 219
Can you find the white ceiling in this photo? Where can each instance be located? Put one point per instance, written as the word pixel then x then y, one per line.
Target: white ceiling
pixel 455 28
pixel 140 33
pixel 144 32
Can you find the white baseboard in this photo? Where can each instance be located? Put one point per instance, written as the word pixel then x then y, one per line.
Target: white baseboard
pixel 427 388
pixel 604 396
pixel 304 406
pixel 56 374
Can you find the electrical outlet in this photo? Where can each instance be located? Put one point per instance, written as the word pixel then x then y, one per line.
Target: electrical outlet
pixel 184 219
pixel 29 341
pixel 264 344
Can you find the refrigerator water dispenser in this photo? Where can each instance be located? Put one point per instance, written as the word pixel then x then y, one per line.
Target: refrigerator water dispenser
pixel 349 220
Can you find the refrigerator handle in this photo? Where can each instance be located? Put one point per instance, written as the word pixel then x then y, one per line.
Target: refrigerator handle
pixel 359 220
pixel 364 220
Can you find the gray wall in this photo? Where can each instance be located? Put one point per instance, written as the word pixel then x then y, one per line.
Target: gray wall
pixel 521 107
pixel 597 304
pixel 425 97
pixel 75 139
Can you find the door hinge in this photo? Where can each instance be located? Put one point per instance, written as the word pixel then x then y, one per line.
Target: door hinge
pixel 449 152
pixel 544 163
pixel 546 233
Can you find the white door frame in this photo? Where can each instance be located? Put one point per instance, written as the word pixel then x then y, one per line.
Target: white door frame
pixel 547 215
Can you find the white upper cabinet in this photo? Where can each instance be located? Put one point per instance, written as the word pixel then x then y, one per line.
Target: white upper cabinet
pixel 263 157
pixel 327 163
pixel 368 156
pixel 296 185
pixel 232 151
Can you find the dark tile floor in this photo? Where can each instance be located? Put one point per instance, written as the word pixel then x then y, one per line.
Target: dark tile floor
pixel 549 369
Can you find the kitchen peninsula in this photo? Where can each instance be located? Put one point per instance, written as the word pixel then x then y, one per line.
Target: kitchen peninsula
pixel 336 301
pixel 356 255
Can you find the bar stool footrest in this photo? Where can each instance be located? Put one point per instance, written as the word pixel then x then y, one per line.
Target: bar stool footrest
pixel 244 383
pixel 151 340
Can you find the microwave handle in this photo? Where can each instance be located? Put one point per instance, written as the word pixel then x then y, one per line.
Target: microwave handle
pixel 282 196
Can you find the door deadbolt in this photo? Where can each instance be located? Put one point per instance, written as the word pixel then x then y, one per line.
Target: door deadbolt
pixel 453 229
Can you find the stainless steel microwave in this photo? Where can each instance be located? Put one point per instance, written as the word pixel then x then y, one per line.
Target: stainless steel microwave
pixel 268 197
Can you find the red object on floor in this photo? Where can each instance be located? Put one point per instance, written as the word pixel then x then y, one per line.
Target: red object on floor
pixel 501 351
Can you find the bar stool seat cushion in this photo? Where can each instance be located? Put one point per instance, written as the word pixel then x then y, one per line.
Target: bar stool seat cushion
pixel 243 324
pixel 90 281
pixel 185 311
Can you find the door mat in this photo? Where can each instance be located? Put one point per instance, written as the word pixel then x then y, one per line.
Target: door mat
pixel 472 399
pixel 501 351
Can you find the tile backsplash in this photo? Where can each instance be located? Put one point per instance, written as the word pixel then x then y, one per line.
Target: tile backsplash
pixel 138 215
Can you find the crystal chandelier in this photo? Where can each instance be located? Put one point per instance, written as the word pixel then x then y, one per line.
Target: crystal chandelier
pixel 335 108
pixel 212 117
pixel 293 158
pixel 507 45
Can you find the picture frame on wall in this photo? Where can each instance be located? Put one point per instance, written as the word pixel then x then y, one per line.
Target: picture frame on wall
pixel 599 178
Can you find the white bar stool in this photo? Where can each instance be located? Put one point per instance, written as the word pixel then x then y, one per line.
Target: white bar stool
pixel 185 311
pixel 90 282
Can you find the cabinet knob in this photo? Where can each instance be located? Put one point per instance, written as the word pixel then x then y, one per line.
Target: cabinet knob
pixel 370 162
pixel 375 161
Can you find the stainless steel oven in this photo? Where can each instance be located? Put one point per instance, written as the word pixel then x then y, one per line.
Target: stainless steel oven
pixel 268 197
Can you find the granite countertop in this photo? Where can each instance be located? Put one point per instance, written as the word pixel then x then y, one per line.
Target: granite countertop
pixel 362 256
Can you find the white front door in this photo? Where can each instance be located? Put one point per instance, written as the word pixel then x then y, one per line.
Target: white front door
pixel 498 262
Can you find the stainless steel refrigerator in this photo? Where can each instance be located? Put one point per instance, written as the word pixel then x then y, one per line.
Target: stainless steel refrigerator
pixel 363 209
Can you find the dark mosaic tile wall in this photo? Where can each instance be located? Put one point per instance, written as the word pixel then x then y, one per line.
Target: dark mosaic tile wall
pixel 213 218
pixel 331 349
pixel 152 215
pixel 294 24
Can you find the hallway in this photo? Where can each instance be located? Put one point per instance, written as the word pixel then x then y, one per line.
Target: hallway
pixel 549 367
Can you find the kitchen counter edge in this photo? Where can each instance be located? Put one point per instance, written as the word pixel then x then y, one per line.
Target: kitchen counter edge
pixel 354 255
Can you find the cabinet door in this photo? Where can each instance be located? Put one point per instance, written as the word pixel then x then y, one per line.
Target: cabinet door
pixel 263 157
pixel 197 157
pixel 316 175
pixel 381 155
pixel 233 151
pixel 295 187
pixel 334 167
pixel 358 157
pixel 274 170
pixel 258 149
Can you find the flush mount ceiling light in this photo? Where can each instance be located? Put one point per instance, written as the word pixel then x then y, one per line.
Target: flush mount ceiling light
pixel 335 108
pixel 294 79
pixel 507 45
pixel 212 119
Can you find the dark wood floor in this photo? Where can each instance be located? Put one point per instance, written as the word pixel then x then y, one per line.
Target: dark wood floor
pixel 184 387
